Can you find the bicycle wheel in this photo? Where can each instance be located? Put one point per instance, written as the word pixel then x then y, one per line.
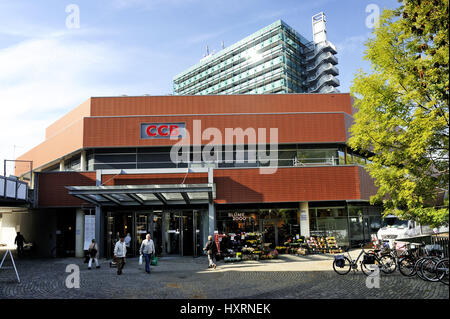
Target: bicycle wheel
pixel 406 266
pixel 418 268
pixel 368 269
pixel 442 271
pixel 388 264
pixel 343 270
pixel 428 269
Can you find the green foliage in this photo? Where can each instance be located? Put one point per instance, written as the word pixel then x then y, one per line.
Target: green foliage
pixel 403 113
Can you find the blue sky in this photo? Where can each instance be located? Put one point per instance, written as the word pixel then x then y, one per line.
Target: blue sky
pixel 135 47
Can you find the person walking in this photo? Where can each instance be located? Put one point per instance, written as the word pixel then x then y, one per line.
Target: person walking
pixel 93 254
pixel 128 242
pixel 211 251
pixel 19 240
pixel 147 249
pixel 120 251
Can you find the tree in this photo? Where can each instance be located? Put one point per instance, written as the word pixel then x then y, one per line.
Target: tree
pixel 402 118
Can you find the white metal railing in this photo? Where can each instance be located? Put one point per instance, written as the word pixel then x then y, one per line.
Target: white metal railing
pixel 327 67
pixel 13 189
pixel 323 80
pixel 324 56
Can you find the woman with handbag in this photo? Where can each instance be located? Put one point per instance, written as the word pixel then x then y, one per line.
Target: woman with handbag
pixel 211 251
pixel 93 254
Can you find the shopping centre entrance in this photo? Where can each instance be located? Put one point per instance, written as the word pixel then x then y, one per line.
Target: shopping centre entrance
pixel 174 232
pixel 178 216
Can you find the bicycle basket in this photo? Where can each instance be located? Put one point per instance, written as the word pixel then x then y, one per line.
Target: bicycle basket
pixel 339 261
pixel 369 259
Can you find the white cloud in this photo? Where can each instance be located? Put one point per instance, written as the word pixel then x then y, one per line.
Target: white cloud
pixel 352 44
pixel 43 78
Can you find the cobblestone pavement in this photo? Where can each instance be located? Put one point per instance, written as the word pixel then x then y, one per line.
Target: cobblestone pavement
pixel 187 277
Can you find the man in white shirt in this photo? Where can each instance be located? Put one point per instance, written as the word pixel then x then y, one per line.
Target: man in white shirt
pixel 120 251
pixel 147 249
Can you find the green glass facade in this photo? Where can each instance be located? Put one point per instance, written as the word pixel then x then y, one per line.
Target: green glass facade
pixel 275 59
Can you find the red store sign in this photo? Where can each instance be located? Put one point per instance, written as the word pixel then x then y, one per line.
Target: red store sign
pixel 162 130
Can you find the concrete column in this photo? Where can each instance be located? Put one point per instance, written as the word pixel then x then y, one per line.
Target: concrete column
pixel 83 161
pixel 211 209
pixel 99 230
pixel 304 219
pixel 79 233
pixel 62 166
pixel 205 227
pixel 211 218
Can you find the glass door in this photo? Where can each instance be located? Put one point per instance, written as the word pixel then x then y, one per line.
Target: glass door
pixel 270 232
pixel 197 240
pixel 142 229
pixel 173 230
pixel 188 233
pixel 111 238
pixel 157 232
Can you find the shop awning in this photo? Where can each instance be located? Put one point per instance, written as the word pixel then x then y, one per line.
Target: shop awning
pixel 131 195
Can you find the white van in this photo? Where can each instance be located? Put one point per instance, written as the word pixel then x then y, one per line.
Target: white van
pixel 393 228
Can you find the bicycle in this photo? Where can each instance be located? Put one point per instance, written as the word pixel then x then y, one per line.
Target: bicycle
pixel 435 269
pixel 342 264
pixel 425 266
pixel 442 270
pixel 388 256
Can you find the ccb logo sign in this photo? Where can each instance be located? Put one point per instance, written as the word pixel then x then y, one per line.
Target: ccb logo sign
pixel 163 130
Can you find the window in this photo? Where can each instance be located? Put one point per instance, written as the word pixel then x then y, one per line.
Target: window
pixel 317 157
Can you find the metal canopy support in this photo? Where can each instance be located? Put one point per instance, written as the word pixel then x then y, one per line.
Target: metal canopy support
pixel 161 198
pixel 109 197
pixel 186 198
pixel 136 198
pixel 87 199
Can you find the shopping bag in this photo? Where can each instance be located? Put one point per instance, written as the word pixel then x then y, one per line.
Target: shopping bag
pixel 140 260
pixel 154 261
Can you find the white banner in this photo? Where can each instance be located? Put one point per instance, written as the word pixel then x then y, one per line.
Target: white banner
pixel 89 230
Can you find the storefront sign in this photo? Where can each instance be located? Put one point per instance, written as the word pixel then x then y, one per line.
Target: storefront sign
pixel 238 216
pixel 162 130
pixel 304 216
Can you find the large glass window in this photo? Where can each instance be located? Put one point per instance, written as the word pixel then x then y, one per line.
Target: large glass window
pixel 72 164
pixel 288 225
pixel 237 221
pixel 364 220
pixel 317 157
pixel 287 155
pixel 330 222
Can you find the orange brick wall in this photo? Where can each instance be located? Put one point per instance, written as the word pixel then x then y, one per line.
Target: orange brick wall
pixel 332 183
pixel 82 126
pixel 212 104
pixel 52 191
pixel 292 128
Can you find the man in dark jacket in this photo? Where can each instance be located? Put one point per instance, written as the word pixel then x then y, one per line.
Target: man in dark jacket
pixel 211 251
pixel 19 242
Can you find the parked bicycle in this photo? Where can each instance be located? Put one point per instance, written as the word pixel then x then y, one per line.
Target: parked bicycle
pixel 342 264
pixel 442 270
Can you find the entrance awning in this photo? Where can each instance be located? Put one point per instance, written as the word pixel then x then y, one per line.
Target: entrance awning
pixel 131 195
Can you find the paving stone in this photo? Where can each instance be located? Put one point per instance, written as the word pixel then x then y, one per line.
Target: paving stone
pixel 187 277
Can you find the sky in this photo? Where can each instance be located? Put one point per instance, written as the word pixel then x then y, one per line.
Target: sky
pixel 51 61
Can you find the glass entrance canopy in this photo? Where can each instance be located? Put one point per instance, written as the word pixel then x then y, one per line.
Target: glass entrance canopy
pixel 132 195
